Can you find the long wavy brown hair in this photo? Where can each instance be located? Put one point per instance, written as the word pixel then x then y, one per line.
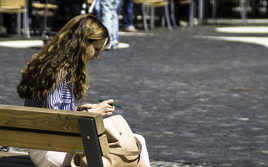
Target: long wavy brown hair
pixel 65 53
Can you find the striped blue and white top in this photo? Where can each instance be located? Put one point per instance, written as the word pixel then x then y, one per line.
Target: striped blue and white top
pixel 61 98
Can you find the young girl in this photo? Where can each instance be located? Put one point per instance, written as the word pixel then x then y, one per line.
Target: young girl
pixel 56 77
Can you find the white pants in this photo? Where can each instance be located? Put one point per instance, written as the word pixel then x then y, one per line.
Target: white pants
pixel 50 158
pixel 144 151
pixel 62 159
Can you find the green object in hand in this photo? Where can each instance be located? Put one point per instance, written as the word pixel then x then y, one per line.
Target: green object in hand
pixel 114 105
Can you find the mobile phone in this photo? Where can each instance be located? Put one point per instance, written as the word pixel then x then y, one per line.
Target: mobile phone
pixel 113 104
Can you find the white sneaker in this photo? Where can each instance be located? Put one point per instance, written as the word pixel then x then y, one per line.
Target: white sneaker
pixel 130 29
pixel 122 45
pixel 183 23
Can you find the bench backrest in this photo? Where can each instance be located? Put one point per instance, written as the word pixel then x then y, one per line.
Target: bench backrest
pixel 55 130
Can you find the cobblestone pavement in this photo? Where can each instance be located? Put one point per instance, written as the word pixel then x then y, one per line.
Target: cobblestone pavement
pixel 178 164
pixel 197 101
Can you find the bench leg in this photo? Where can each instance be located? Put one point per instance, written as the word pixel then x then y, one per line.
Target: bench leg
pixel 90 142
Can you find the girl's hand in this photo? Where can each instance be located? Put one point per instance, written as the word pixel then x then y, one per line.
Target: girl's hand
pixel 104 108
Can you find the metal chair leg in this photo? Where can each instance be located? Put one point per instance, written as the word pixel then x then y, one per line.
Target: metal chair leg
pixel 92 6
pixel 201 11
pixel 172 11
pixel 144 13
pixel 243 7
pixel 167 16
pixel 45 29
pixel 19 23
pixel 26 24
pixel 152 17
pixel 163 21
pixel 214 9
pixel 26 21
pixel 191 14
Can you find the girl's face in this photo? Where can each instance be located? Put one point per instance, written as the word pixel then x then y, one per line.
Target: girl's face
pixel 94 49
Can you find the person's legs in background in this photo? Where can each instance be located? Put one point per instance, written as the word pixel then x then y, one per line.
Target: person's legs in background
pixel 118 10
pixel 120 45
pixel 110 20
pixel 97 9
pixel 115 26
pixel 67 10
pixel 128 16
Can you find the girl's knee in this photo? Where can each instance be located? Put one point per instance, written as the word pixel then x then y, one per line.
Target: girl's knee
pixel 140 138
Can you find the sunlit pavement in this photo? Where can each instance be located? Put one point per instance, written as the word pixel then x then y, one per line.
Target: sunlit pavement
pixel 198 95
pixel 247 34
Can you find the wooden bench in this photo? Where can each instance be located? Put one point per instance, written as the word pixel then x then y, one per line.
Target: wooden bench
pixel 55 130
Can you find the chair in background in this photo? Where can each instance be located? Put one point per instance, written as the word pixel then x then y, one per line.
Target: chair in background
pixel 150 5
pixel 243 4
pixel 91 5
pixel 43 9
pixel 192 9
pixel 164 4
pixel 144 16
pixel 17 7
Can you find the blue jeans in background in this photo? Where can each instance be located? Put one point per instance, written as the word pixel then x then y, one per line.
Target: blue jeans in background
pixel 110 19
pixel 97 9
pixel 127 13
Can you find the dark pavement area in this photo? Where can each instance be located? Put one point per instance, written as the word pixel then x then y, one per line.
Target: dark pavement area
pixel 197 101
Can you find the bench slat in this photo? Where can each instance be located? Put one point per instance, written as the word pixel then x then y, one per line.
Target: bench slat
pixel 45 119
pixel 45 141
